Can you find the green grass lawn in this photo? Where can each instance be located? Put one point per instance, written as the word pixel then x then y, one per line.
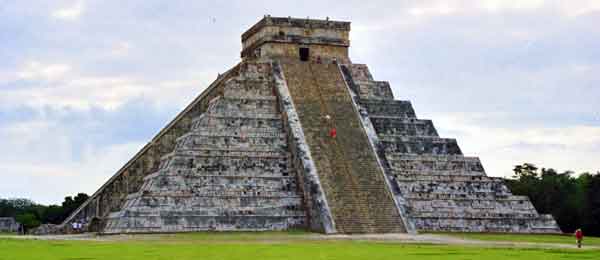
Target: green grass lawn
pixel 269 245
pixel 555 239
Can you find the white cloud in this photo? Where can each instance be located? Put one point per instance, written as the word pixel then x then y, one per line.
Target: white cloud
pixel 60 85
pixel 49 181
pixel 577 8
pixel 459 7
pixel 34 70
pixel 434 8
pixel 120 49
pixel 37 161
pixel 440 8
pixel 499 5
pixel 70 13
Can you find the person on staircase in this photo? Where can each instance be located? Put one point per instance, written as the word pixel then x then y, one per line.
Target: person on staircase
pixel 332 130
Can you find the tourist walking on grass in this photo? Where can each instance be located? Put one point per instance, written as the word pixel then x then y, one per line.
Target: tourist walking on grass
pixel 578 237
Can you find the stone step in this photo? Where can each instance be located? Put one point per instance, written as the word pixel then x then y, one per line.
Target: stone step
pixel 192 223
pixel 232 170
pixel 419 145
pixel 353 182
pixel 426 163
pixel 387 127
pixel 235 122
pixel 397 108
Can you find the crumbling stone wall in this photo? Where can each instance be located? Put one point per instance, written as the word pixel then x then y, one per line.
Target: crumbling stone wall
pixel 9 225
pixel 442 189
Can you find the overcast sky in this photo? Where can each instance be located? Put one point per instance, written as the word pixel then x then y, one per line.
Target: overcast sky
pixel 85 84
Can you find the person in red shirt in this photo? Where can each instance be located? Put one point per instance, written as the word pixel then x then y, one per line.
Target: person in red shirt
pixel 578 237
pixel 333 132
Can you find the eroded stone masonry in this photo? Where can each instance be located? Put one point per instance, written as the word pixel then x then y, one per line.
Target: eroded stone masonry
pixel 257 151
pixel 9 225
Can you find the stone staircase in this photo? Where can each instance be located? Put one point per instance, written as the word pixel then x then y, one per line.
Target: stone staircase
pixel 231 171
pixel 443 190
pixel 353 181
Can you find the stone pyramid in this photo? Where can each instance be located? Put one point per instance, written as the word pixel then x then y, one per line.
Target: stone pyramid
pixel 296 136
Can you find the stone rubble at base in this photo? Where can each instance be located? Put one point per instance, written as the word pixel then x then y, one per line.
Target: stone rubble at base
pixel 9 225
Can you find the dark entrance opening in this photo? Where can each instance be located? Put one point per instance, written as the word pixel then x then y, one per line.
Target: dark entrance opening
pixel 304 54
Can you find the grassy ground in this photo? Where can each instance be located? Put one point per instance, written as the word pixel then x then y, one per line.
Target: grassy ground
pixel 554 239
pixel 270 245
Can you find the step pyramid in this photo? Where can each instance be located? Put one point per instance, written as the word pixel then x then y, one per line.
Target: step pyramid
pixel 255 151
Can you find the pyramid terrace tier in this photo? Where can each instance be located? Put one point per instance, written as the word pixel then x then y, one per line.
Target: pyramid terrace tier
pixel 202 193
pixel 542 224
pixel 245 132
pixel 444 177
pixel 241 115
pixel 224 206
pixel 246 88
pixel 401 126
pixel 211 185
pixel 396 108
pixel 229 166
pixel 441 213
pixel 222 153
pixel 359 79
pixel 509 205
pixel 426 195
pixel 441 164
pixel 245 106
pixel 451 185
pixel 420 192
pixel 419 145
pixel 209 122
pixel 213 203
pixel 374 90
pixel 168 223
pixel 193 142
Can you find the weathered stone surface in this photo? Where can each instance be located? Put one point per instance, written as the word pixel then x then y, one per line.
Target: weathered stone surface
pixel 111 196
pixel 47 229
pixel 9 225
pixel 354 183
pixel 443 190
pixel 231 171
pixel 254 152
pixel 317 206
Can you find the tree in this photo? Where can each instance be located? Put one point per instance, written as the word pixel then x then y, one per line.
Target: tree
pixel 525 170
pixel 28 220
pixel 54 214
pixel 71 204
pixel 574 202
pixel 591 223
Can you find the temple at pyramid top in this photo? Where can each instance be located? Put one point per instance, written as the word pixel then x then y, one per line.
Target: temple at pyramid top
pixel 304 39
